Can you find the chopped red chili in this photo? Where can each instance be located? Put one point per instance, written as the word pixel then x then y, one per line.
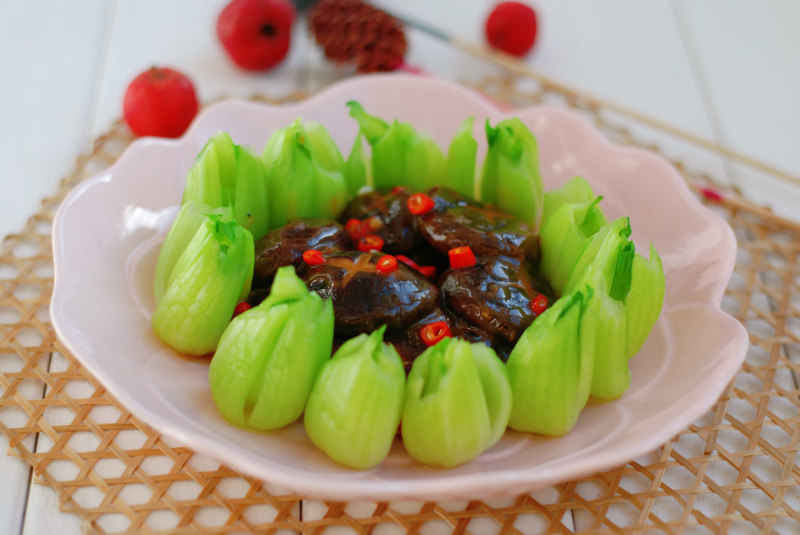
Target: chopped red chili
pixel 428 271
pixel 312 257
pixel 434 332
pixel 539 304
pixel 398 189
pixel 712 194
pixel 241 306
pixel 353 227
pixel 407 261
pixel 370 225
pixel 461 257
pixel 419 204
pixel 386 264
pixel 370 243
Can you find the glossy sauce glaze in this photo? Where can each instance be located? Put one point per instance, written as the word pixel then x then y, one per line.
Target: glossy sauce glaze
pixel 456 222
pixel 489 302
pixel 364 298
pixel 285 245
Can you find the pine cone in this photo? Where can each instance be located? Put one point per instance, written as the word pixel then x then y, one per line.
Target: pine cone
pixel 353 31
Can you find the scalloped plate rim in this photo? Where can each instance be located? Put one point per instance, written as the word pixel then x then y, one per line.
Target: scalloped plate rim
pixel 441 487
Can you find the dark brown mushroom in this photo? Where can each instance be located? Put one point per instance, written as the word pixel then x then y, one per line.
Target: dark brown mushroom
pixel 385 214
pixel 494 295
pixel 285 246
pixel 456 222
pixel 410 345
pixel 364 298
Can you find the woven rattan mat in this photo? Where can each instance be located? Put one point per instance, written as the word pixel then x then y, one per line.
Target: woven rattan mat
pixel 732 471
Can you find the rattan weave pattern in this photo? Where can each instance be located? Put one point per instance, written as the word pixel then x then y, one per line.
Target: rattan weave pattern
pixel 732 471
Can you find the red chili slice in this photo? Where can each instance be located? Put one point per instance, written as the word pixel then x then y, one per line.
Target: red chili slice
pixel 312 257
pixel 370 243
pixel 539 304
pixel 461 257
pixel 353 227
pixel 407 261
pixel 428 271
pixel 386 264
pixel 241 306
pixel 398 189
pixel 434 332
pixel 419 204
pixel 369 226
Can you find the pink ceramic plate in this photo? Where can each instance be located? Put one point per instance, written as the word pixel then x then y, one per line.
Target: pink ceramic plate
pixel 108 230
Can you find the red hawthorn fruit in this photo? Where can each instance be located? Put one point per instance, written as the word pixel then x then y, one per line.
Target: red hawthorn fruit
pixel 511 27
pixel 256 34
pixel 160 102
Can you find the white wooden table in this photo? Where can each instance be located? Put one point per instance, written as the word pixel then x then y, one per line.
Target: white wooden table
pixel 726 71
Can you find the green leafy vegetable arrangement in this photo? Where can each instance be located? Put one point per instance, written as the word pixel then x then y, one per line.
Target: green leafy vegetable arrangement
pixel 273 363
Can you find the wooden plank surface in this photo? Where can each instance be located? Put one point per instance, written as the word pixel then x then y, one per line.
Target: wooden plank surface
pixel 50 68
